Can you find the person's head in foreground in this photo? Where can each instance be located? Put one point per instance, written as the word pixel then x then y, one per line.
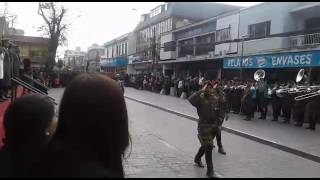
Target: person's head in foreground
pixel 26 123
pixel 92 133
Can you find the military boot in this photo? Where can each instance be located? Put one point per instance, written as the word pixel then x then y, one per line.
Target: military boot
pixel 197 159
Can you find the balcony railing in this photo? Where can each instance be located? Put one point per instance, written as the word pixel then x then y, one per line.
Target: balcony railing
pixel 305 40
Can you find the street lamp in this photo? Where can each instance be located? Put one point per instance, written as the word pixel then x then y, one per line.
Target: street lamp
pixel 242 47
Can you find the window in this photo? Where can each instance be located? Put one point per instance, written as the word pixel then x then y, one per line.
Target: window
pixel 259 30
pixel 223 34
pixel 170 46
pixel 205 44
pixel 186 47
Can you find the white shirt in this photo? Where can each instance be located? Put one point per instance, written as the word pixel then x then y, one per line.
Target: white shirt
pixel 1 64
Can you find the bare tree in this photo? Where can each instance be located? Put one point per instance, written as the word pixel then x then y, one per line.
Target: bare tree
pixel 55 27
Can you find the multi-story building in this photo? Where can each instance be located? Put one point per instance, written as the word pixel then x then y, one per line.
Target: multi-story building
pixel 33 48
pixel 163 19
pixel 116 58
pixel 94 54
pixel 194 48
pixel 75 59
pixel 280 37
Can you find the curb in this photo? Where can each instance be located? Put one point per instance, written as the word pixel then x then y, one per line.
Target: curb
pixel 240 133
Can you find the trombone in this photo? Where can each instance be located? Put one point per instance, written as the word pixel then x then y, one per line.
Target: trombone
pixel 307 96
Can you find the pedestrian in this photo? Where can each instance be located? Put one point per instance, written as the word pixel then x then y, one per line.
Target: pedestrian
pixel 180 87
pixel 92 134
pixel 209 104
pixel 26 123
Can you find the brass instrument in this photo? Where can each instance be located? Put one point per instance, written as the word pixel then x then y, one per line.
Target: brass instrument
pixel 259 74
pixel 312 91
pixel 307 96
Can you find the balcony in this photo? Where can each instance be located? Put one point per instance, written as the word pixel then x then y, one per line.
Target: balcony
pixel 304 41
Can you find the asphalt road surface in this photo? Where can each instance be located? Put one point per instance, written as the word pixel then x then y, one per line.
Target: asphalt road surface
pixel 164 145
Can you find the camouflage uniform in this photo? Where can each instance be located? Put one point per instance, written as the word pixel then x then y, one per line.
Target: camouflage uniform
pixel 211 110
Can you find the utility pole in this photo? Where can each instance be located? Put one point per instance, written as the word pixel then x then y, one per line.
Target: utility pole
pixel 154 46
pixel 241 62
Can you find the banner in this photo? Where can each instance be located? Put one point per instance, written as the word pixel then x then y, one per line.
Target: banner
pixel 280 60
pixel 114 62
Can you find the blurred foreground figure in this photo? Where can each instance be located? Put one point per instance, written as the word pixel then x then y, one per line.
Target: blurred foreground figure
pixel 26 124
pixel 92 133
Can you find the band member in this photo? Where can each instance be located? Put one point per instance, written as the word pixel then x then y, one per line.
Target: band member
pixel 287 105
pixel 227 91
pixel 247 104
pixel 262 98
pixel 236 99
pixel 312 112
pixel 211 111
pixel 299 112
pixel 276 103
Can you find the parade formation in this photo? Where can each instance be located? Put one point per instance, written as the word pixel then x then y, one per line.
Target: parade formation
pixel 160 99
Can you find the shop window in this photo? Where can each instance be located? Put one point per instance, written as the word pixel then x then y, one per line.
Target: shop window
pixel 259 30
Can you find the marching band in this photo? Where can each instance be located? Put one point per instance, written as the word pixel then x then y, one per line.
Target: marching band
pixel 297 101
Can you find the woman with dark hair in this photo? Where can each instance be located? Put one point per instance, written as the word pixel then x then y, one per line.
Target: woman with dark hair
pixel 92 133
pixel 26 124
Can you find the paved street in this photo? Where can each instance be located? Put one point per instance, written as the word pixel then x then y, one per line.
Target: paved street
pixel 288 135
pixel 163 145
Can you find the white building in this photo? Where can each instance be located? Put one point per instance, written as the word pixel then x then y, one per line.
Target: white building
pixel 75 59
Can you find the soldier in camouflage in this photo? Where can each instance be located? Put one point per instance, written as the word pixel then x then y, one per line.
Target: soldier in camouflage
pixel 210 104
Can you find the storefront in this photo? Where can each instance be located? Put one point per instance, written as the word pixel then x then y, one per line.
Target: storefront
pixel 113 65
pixel 280 66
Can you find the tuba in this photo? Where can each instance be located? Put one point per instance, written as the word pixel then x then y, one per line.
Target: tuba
pixel 312 91
pixel 259 74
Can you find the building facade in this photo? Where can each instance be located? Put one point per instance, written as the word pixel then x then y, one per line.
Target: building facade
pixel 116 58
pixel 279 37
pixel 33 48
pixel 162 20
pixel 94 54
pixel 75 59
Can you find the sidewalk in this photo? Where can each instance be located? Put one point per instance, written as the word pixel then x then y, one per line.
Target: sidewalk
pixel 276 132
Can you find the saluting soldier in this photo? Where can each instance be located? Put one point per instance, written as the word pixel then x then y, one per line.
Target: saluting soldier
pixel 211 111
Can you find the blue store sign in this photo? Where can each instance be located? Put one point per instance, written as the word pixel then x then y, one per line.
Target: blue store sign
pixel 114 62
pixel 281 60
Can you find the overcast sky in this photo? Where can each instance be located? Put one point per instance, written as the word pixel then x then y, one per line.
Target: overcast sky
pixel 93 22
